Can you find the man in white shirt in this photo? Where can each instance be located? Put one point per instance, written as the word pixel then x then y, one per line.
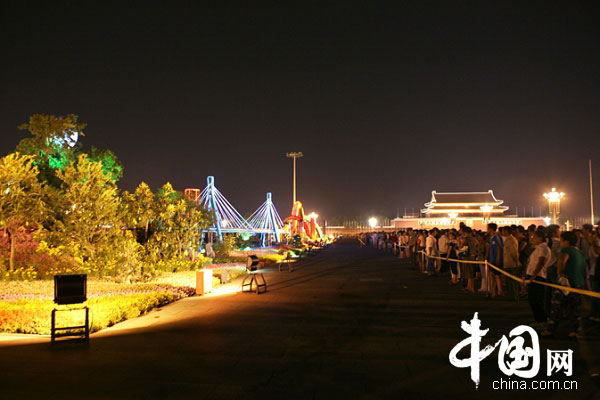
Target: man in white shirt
pixel 539 260
pixel 431 251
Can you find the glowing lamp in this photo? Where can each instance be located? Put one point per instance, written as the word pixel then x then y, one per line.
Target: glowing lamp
pixel 486 208
pixel 554 196
pixel 224 223
pixel 372 222
pixel 554 199
pixel 453 215
pixel 69 138
pixel 547 220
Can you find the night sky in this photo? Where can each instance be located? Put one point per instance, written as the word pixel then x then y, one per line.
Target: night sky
pixel 387 104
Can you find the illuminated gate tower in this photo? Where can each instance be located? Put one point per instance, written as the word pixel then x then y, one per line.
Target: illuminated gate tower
pixel 475 209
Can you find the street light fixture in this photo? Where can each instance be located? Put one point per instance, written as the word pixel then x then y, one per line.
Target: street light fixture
pixel 487 211
pixel 294 155
pixel 554 199
pixel 372 222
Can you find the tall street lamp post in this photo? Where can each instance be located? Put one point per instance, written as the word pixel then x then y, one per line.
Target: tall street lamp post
pixel 294 155
pixel 554 199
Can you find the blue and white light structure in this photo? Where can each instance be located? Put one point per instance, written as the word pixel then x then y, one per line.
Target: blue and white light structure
pixel 267 220
pixel 227 219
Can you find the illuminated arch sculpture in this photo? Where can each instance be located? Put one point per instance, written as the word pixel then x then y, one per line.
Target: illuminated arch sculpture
pixel 303 225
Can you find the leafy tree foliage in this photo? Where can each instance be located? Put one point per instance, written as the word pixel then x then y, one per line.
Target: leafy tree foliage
pixel 139 208
pixel 81 220
pixel 49 143
pixel 21 197
pixel 111 166
pixel 90 205
pixel 54 144
pixel 179 224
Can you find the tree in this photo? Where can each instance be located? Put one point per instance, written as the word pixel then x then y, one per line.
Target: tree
pixel 91 207
pixel 139 208
pixel 167 206
pixel 21 197
pixel 190 226
pixel 111 166
pixel 53 143
pixel 179 224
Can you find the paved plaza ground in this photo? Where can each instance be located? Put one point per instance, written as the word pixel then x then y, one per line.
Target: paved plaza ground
pixel 348 323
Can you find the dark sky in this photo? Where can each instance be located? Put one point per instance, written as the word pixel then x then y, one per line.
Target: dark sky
pixel 387 104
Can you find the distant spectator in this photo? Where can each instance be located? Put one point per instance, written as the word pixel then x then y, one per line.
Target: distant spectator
pixel 469 253
pixel 482 249
pixel 421 249
pixel 572 266
pixel 587 248
pixel 553 241
pixel 452 253
pixel 536 271
pixel 443 250
pixel 593 271
pixel 495 258
pixel 431 251
pixel 511 262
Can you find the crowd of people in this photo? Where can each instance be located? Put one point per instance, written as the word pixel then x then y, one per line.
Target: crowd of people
pixel 536 253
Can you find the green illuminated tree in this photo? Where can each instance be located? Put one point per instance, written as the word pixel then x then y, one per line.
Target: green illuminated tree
pixel 111 166
pixel 52 143
pixel 21 197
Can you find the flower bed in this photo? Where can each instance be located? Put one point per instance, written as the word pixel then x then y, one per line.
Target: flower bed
pixel 25 307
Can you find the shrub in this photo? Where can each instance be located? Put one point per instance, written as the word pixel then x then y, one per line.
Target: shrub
pixel 153 269
pixel 35 260
pixel 272 258
pixel 223 248
pixel 227 260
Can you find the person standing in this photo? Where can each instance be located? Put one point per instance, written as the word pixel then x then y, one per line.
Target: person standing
pixel 469 252
pixel 495 258
pixel 553 241
pixel 511 262
pixel 593 273
pixel 451 253
pixel 443 250
pixel 572 267
pixel 431 251
pixel 412 246
pixel 536 271
pixel 421 249
pixel 404 244
pixel 482 251
pixel 525 250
